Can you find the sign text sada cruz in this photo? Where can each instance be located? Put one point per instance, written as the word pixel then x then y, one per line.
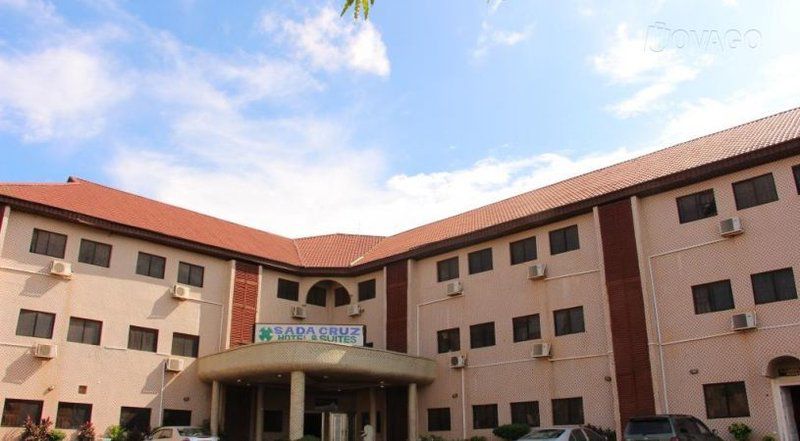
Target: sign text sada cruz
pixel 352 335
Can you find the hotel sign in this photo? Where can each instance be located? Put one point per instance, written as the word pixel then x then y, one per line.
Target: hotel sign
pixel 351 335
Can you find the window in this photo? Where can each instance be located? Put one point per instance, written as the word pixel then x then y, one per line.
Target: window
pixel 523 250
pixel 273 421
pixel 150 265
pixel 563 240
pixel 484 416
pixel 726 400
pixel 480 261
pixel 526 328
pixel 366 290
pixel 482 335
pixel 796 171
pixel 189 274
pixel 84 331
pixel 449 340
pixel 568 411
pixel 439 419
pixel 135 419
pixel 288 290
pixel 696 206
pixel 35 324
pixel 316 296
pixel 447 269
pixel 143 339
pixel 712 297
pixel 569 321
pixel 185 345
pixel 176 417
pixel 15 412
pixel 95 253
pixel 49 244
pixel 526 412
pixel 774 286
pixel 755 191
pixel 73 415
pixel 341 297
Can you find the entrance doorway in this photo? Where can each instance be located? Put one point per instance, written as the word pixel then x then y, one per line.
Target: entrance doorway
pixel 794 395
pixel 312 423
pixel 238 410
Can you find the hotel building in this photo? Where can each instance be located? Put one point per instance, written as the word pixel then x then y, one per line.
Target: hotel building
pixel 664 284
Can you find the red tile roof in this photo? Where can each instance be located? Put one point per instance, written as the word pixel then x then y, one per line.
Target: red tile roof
pixel 342 250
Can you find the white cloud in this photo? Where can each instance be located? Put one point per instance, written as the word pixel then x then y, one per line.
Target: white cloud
pixel 490 37
pixel 329 43
pixel 60 92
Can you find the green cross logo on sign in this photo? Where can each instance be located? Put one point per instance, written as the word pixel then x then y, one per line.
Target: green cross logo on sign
pixel 265 334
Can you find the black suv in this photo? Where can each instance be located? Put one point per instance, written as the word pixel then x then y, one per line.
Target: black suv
pixel 668 428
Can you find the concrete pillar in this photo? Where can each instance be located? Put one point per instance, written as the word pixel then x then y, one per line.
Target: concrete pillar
pixel 373 409
pixel 214 408
pixel 260 412
pixel 412 411
pixel 297 405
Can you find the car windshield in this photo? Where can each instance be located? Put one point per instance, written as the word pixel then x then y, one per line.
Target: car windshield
pixel 653 426
pixel 192 431
pixel 544 434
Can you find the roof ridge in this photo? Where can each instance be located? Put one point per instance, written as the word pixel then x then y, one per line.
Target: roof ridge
pixel 340 234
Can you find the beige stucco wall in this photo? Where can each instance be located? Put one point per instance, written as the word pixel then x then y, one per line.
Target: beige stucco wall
pixel 704 342
pixel 118 297
pixel 506 373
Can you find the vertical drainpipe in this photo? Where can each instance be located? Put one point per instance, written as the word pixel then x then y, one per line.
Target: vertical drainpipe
pixel 5 211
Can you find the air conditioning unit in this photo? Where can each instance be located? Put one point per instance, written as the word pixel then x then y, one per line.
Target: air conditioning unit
pixel 61 269
pixel 743 322
pixel 354 310
pixel 541 350
pixel 730 227
pixel 458 361
pixel 181 292
pixel 45 350
pixel 454 288
pixel 174 365
pixel 299 312
pixel 537 271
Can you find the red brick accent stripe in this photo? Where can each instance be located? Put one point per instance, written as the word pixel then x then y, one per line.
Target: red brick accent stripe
pixel 626 309
pixel 243 305
pixel 397 306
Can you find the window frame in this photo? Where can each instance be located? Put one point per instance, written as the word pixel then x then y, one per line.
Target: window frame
pixel 84 322
pixel 181 412
pixel 92 259
pixel 4 422
pixel 35 238
pixel 61 424
pixel 517 325
pixel 796 173
pixel 573 416
pixel 727 396
pixel 182 339
pixel 291 286
pixel 190 271
pixel 526 247
pixel 447 336
pixel 447 269
pixel 442 418
pixel 777 296
pixel 711 293
pixel 525 407
pixel 480 261
pixel 150 259
pixel 572 329
pixel 758 199
pixel 367 290
pixel 562 236
pixel 138 412
pixel 484 335
pixel 318 298
pixel 484 416
pixel 341 297
pixel 131 341
pixel 698 209
pixel 34 329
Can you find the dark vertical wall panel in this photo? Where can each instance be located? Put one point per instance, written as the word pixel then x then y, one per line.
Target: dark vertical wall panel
pixel 243 304
pixel 396 414
pixel 626 308
pixel 397 306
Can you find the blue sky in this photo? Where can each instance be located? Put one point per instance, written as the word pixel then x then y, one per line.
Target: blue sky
pixel 284 116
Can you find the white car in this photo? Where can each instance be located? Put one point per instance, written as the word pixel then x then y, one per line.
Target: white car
pixel 181 433
pixel 563 434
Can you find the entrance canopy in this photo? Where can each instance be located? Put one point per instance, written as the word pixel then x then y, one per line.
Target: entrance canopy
pixel 273 362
